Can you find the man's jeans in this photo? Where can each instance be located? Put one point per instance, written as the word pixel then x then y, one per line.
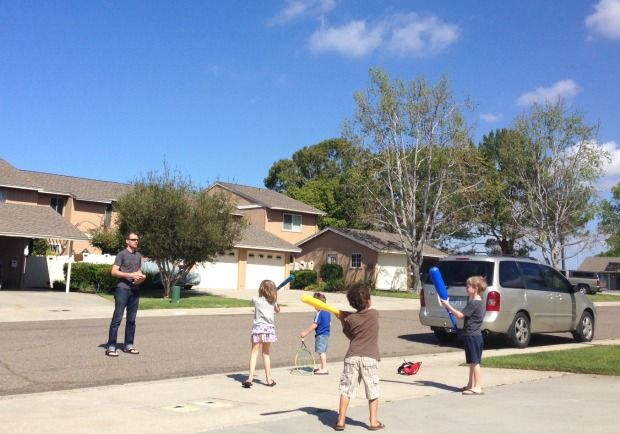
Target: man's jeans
pixel 124 298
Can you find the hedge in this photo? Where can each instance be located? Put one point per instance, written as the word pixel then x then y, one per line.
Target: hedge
pixel 303 278
pixel 331 272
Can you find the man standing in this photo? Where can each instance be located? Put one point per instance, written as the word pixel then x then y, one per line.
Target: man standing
pixel 127 294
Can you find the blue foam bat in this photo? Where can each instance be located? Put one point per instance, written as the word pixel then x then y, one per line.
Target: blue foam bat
pixel 440 286
pixel 287 280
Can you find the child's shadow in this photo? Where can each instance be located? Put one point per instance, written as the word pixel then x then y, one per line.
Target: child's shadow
pixel 325 416
pixel 242 377
pixel 423 383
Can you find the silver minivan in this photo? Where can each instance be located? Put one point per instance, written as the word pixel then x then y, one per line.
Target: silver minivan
pixel 523 297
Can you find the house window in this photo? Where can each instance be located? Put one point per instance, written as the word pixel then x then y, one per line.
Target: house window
pixel 292 222
pixel 107 216
pixel 2 196
pixel 356 260
pixel 332 259
pixel 58 204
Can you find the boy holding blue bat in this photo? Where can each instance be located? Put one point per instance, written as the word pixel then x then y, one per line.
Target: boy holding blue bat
pixel 473 314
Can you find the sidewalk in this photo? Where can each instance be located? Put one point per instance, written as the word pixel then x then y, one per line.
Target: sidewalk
pixel 428 402
pixel 54 305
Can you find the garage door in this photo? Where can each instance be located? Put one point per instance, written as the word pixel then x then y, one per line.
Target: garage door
pixel 221 274
pixel 264 265
pixel 391 271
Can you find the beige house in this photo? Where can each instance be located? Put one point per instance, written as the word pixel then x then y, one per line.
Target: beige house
pixel 60 209
pixel 267 246
pixel 368 256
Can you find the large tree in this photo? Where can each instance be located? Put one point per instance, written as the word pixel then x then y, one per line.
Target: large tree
pixel 421 152
pixel 558 165
pixel 496 220
pixel 179 224
pixel 321 175
pixel 609 222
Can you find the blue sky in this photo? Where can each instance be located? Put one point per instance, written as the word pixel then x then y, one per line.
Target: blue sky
pixel 223 89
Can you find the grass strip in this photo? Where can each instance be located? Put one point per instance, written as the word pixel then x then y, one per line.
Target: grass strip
pixel 597 359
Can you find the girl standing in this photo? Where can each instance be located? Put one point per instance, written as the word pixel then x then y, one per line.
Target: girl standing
pixel 263 329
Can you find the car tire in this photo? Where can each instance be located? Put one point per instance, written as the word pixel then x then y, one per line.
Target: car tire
pixel 519 332
pixel 444 337
pixel 585 328
pixel 584 289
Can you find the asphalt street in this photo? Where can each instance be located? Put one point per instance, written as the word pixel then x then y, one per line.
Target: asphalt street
pixel 57 355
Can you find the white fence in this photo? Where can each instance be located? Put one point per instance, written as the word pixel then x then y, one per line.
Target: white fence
pixel 42 271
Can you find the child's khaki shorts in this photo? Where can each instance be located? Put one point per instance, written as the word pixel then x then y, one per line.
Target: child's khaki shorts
pixel 360 369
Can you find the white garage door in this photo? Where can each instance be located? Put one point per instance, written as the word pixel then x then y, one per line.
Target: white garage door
pixel 391 271
pixel 264 265
pixel 221 274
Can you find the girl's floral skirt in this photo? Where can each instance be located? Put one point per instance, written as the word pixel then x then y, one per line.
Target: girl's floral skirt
pixel 263 333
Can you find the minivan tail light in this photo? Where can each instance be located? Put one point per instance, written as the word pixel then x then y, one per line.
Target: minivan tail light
pixel 422 301
pixel 598 283
pixel 493 301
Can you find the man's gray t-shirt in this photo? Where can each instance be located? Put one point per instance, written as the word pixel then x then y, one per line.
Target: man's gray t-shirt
pixel 474 314
pixel 127 263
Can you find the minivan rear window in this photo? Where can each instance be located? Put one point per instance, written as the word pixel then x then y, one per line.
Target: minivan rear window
pixel 455 273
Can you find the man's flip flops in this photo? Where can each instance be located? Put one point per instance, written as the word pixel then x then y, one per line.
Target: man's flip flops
pixel 472 392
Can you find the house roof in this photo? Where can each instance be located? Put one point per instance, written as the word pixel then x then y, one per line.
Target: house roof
pixel 256 238
pixel 32 221
pixel 269 198
pixel 384 242
pixel 605 264
pixel 79 188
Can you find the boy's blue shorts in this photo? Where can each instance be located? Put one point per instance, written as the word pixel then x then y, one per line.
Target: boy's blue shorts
pixel 473 348
pixel 320 343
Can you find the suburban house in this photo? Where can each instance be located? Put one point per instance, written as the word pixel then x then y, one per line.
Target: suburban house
pixel 267 246
pixel 369 256
pixel 60 209
pixel 607 267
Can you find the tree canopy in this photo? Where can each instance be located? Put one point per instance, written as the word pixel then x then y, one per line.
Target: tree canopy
pixel 422 164
pixel 322 175
pixel 609 222
pixel 557 165
pixel 179 224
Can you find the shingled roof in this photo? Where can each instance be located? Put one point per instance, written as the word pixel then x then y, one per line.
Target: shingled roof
pixel 255 238
pixel 269 198
pixel 79 188
pixel 607 264
pixel 384 242
pixel 32 221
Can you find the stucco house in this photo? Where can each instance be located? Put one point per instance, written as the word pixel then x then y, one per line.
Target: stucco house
pixel 369 256
pixel 57 208
pixel 607 267
pixel 267 246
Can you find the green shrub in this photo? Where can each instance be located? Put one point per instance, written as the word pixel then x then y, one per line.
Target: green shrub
pixel 330 272
pixel 59 285
pixel 332 285
pixel 85 275
pixel 303 278
pixel 103 277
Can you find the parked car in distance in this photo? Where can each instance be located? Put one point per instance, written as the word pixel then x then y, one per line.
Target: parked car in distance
pixel 191 279
pixel 586 282
pixel 523 297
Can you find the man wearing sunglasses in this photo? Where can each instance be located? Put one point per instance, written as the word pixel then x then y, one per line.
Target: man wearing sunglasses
pixel 127 294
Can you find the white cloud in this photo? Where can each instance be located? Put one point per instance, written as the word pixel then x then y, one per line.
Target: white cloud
pixel 613 167
pixel 295 9
pixel 401 34
pixel 605 21
pixel 354 39
pixel 490 117
pixel 414 35
pixel 564 89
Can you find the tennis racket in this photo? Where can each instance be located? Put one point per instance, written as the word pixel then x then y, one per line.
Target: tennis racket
pixel 304 360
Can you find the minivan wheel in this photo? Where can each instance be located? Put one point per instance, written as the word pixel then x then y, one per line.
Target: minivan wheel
pixel 584 289
pixel 585 328
pixel 519 332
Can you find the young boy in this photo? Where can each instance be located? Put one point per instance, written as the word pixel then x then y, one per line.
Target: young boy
pixel 361 362
pixel 322 325
pixel 472 336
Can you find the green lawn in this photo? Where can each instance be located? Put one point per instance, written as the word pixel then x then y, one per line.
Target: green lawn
pixel 598 359
pixel 604 297
pixel 392 293
pixel 152 299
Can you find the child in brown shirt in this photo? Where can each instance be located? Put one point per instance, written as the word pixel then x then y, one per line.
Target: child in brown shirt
pixel 361 363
